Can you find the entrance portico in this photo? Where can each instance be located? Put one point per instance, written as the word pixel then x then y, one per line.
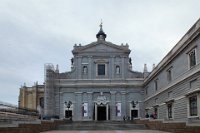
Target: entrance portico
pixel 101 108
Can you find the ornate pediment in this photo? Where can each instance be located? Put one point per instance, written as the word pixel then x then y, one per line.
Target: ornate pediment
pixel 101 46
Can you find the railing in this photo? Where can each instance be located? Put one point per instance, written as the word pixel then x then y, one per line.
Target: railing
pixel 10 108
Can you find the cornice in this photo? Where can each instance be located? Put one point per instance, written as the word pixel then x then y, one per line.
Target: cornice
pixel 192 33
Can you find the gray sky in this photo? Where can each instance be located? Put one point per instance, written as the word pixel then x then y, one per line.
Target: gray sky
pixel 35 32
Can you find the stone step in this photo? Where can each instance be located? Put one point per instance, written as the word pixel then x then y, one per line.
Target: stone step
pixel 100 126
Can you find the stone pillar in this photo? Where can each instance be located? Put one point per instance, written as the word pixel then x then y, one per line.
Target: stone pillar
pixel 123 67
pixel 78 106
pixel 123 96
pixel 107 114
pixel 112 105
pixel 90 67
pixel 90 105
pixel 79 67
pixel 95 112
pixel 112 67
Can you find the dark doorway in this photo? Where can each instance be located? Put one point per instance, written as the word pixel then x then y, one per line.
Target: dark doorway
pixel 101 113
pixel 68 113
pixel 134 114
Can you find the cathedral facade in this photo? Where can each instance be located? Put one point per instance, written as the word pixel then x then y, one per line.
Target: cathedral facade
pixel 100 86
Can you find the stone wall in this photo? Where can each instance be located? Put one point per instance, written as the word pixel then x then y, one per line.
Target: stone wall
pixel 32 128
pixel 175 127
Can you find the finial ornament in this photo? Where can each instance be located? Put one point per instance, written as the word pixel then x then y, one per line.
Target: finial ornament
pixel 101 24
pixel 101 35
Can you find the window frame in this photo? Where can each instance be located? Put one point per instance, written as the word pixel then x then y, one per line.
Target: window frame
pixel 156 84
pixel 169 74
pixel 191 112
pixel 98 70
pixel 170 110
pixel 189 58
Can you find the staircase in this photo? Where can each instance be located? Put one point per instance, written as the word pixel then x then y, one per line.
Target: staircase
pixel 101 125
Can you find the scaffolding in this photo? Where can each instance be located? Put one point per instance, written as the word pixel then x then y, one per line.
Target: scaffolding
pixel 49 75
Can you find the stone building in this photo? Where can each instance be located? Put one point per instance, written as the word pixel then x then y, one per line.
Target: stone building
pixel 172 89
pixel 102 86
pixel 32 97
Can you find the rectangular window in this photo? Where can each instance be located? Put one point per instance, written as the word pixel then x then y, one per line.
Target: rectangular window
pixel 156 84
pixel 169 75
pixel 101 69
pixel 193 106
pixel 169 110
pixel 146 90
pixel 192 58
pixel 155 115
pixel 156 101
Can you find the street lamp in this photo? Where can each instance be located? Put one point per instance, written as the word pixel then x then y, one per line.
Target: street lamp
pixel 68 104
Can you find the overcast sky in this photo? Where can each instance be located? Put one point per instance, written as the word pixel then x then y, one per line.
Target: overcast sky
pixel 35 32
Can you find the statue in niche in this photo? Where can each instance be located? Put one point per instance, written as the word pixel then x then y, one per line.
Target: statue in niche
pixel 117 69
pixel 84 69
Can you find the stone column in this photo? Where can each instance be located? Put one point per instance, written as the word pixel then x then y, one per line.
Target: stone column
pixel 123 96
pixel 95 112
pixel 90 106
pixel 112 105
pixel 107 111
pixel 78 106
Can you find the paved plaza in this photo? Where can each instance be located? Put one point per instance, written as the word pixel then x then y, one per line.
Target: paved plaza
pixel 108 131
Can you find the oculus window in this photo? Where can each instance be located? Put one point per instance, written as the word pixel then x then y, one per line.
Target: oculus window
pixel 101 69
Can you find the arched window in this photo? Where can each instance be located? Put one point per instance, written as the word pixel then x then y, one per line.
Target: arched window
pixel 117 70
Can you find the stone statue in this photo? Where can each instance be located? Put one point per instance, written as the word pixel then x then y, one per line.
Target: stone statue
pixel 72 61
pixel 130 61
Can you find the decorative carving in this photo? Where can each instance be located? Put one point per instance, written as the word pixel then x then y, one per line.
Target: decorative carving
pixel 101 100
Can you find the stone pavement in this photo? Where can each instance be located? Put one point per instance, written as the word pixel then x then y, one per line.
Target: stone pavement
pixel 108 131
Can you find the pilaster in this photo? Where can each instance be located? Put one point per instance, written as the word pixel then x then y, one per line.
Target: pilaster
pixel 78 106
pixel 112 105
pixel 123 97
pixel 90 105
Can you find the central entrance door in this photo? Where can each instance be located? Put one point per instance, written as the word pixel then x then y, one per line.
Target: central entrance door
pixel 134 114
pixel 101 113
